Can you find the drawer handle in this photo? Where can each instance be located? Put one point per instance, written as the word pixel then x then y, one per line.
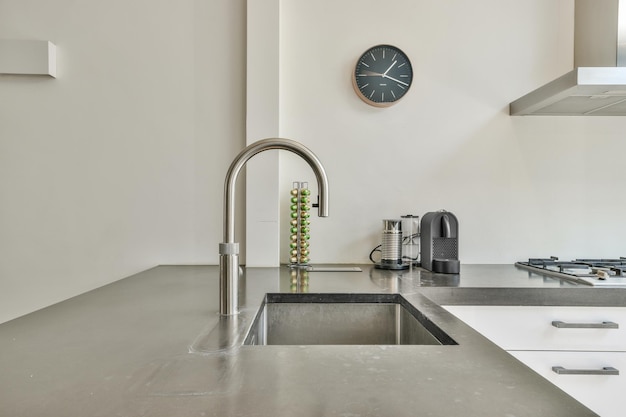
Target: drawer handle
pixel 607 370
pixel 603 325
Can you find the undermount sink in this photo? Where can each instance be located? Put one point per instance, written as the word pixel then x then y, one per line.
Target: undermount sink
pixel 342 319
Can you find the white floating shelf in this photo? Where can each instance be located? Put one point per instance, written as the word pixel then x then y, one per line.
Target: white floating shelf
pixel 28 57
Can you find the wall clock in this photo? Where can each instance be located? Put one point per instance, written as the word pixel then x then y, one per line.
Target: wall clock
pixel 382 75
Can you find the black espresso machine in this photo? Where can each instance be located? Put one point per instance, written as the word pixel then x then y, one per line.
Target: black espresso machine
pixel 439 242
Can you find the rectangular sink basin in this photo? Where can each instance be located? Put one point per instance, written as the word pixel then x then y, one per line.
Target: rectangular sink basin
pixel 342 319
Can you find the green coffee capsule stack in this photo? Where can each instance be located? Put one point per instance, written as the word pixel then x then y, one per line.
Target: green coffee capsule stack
pixel 300 206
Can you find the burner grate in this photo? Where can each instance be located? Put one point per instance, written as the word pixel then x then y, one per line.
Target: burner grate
pixel 597 268
pixel 590 271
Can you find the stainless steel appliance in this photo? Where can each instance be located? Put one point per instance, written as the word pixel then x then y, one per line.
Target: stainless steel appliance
pixel 596 272
pixel 597 84
pixel 391 247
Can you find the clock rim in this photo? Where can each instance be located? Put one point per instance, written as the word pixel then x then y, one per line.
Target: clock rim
pixel 358 90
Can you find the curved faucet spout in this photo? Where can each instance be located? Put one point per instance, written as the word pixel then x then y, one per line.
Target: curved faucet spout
pixel 229 249
pixel 255 148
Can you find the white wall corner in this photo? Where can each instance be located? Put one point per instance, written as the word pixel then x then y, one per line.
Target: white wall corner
pixel 28 57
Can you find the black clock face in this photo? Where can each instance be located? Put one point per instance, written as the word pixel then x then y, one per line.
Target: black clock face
pixel 382 75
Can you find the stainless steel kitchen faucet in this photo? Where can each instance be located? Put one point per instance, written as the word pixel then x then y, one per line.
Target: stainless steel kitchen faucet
pixel 229 249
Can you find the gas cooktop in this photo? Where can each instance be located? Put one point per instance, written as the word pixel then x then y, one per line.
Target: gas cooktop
pixel 596 272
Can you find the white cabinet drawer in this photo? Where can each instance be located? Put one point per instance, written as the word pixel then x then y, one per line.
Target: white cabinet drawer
pixel 532 328
pixel 604 394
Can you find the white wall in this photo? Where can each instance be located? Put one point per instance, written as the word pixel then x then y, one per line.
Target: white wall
pixel 520 186
pixel 262 121
pixel 116 165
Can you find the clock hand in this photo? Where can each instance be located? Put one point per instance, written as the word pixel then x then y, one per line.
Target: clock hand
pixel 393 79
pixel 372 73
pixel 390 67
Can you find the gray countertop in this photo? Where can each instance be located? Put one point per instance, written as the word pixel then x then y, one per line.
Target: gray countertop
pixel 146 346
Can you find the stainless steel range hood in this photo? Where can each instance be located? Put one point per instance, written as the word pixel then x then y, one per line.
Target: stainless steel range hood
pixel 597 85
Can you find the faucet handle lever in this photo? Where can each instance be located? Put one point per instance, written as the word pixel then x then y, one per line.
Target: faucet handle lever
pixel 316 205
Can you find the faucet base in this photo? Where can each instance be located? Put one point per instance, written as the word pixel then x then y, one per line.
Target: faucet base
pixel 229 284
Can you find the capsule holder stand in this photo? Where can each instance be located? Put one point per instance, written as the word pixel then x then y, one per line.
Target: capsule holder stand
pixel 299 224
